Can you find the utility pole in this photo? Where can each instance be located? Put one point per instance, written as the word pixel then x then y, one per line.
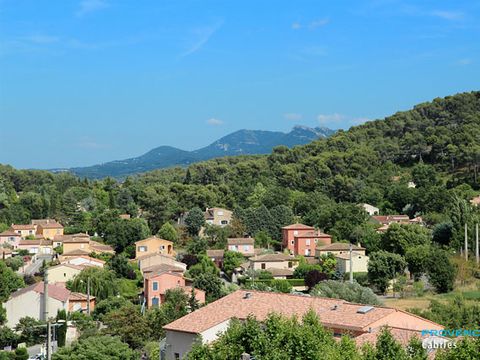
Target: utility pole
pixel 351 265
pixel 466 242
pixel 477 255
pixel 88 295
pixel 46 317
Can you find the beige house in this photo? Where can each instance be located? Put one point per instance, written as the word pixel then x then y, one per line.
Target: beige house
pixel 63 272
pixel 218 216
pixel 338 316
pixel 242 245
pixel 359 262
pixel 153 245
pixel 338 249
pixel 149 260
pixel 273 261
pixel 24 230
pixel 71 243
pixel 37 246
pixel 48 228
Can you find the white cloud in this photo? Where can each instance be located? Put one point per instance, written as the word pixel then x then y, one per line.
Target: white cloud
pixel 292 116
pixel 448 15
pixel 464 62
pixel 203 35
pixel 89 6
pixel 337 120
pixel 296 26
pixel 214 122
pixel 42 39
pixel 318 23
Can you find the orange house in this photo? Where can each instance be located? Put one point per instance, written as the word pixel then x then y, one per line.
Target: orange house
pixel 153 245
pixel 302 239
pixel 156 284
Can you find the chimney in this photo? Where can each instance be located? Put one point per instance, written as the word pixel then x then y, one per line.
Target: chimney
pixel 248 295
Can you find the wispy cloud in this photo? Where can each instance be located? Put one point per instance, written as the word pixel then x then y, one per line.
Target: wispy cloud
pixel 202 35
pixel 336 120
pixel 89 6
pixel 42 39
pixel 448 15
pixel 214 122
pixel 91 144
pixel 464 62
pixel 312 25
pixel 318 23
pixel 293 116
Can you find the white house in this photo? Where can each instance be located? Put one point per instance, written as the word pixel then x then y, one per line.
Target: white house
pixel 370 209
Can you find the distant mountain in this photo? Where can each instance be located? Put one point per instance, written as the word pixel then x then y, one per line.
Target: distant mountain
pixel 242 142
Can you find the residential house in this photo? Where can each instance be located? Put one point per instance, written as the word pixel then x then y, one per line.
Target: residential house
pixel 241 245
pixel 272 261
pixel 24 230
pixel 63 272
pixel 386 220
pixel 216 256
pixel 162 268
pixel 370 209
pixel 5 253
pixel 82 260
pixel 48 228
pixel 124 216
pixel 339 249
pixel 149 260
pixel 338 316
pixel 153 245
pixel 77 302
pixel 359 262
pixel 100 248
pixel 37 246
pixel 66 256
pixel 75 242
pixel 29 301
pixel 156 284
pixel 218 216
pixel 302 239
pixel 10 238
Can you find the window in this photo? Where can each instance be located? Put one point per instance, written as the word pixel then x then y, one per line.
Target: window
pixel 307 242
pixel 224 222
pixel 246 247
pixel 64 274
pixel 162 247
pixel 263 266
pixel 155 301
pixel 220 213
pixel 295 232
pixel 292 242
pixel 155 286
pixel 290 264
pixel 142 248
pixel 307 252
pixel 30 231
pixel 177 356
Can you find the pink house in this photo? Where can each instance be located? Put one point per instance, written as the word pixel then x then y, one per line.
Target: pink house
pixel 241 245
pixel 10 238
pixel 156 284
pixel 302 239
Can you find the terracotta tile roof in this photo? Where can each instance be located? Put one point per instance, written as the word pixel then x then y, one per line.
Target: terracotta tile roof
pixel 101 247
pixel 154 238
pixel 162 268
pixel 84 257
pixel 299 227
pixel 260 304
pixel 315 233
pixel 155 274
pixel 10 233
pixel 215 253
pixel 23 227
pixel 76 267
pixel 68 237
pixel 36 242
pixel 76 252
pixel 339 247
pixel 346 256
pixel 240 241
pixel 74 296
pixel 47 223
pixel 54 291
pixel 52 225
pixel 271 257
pixel 280 272
pixel 146 256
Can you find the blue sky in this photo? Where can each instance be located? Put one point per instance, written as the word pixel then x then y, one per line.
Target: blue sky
pixel 88 81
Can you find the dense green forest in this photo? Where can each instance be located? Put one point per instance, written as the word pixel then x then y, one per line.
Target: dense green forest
pixel 436 145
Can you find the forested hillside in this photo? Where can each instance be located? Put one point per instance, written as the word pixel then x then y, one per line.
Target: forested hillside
pixel 436 145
